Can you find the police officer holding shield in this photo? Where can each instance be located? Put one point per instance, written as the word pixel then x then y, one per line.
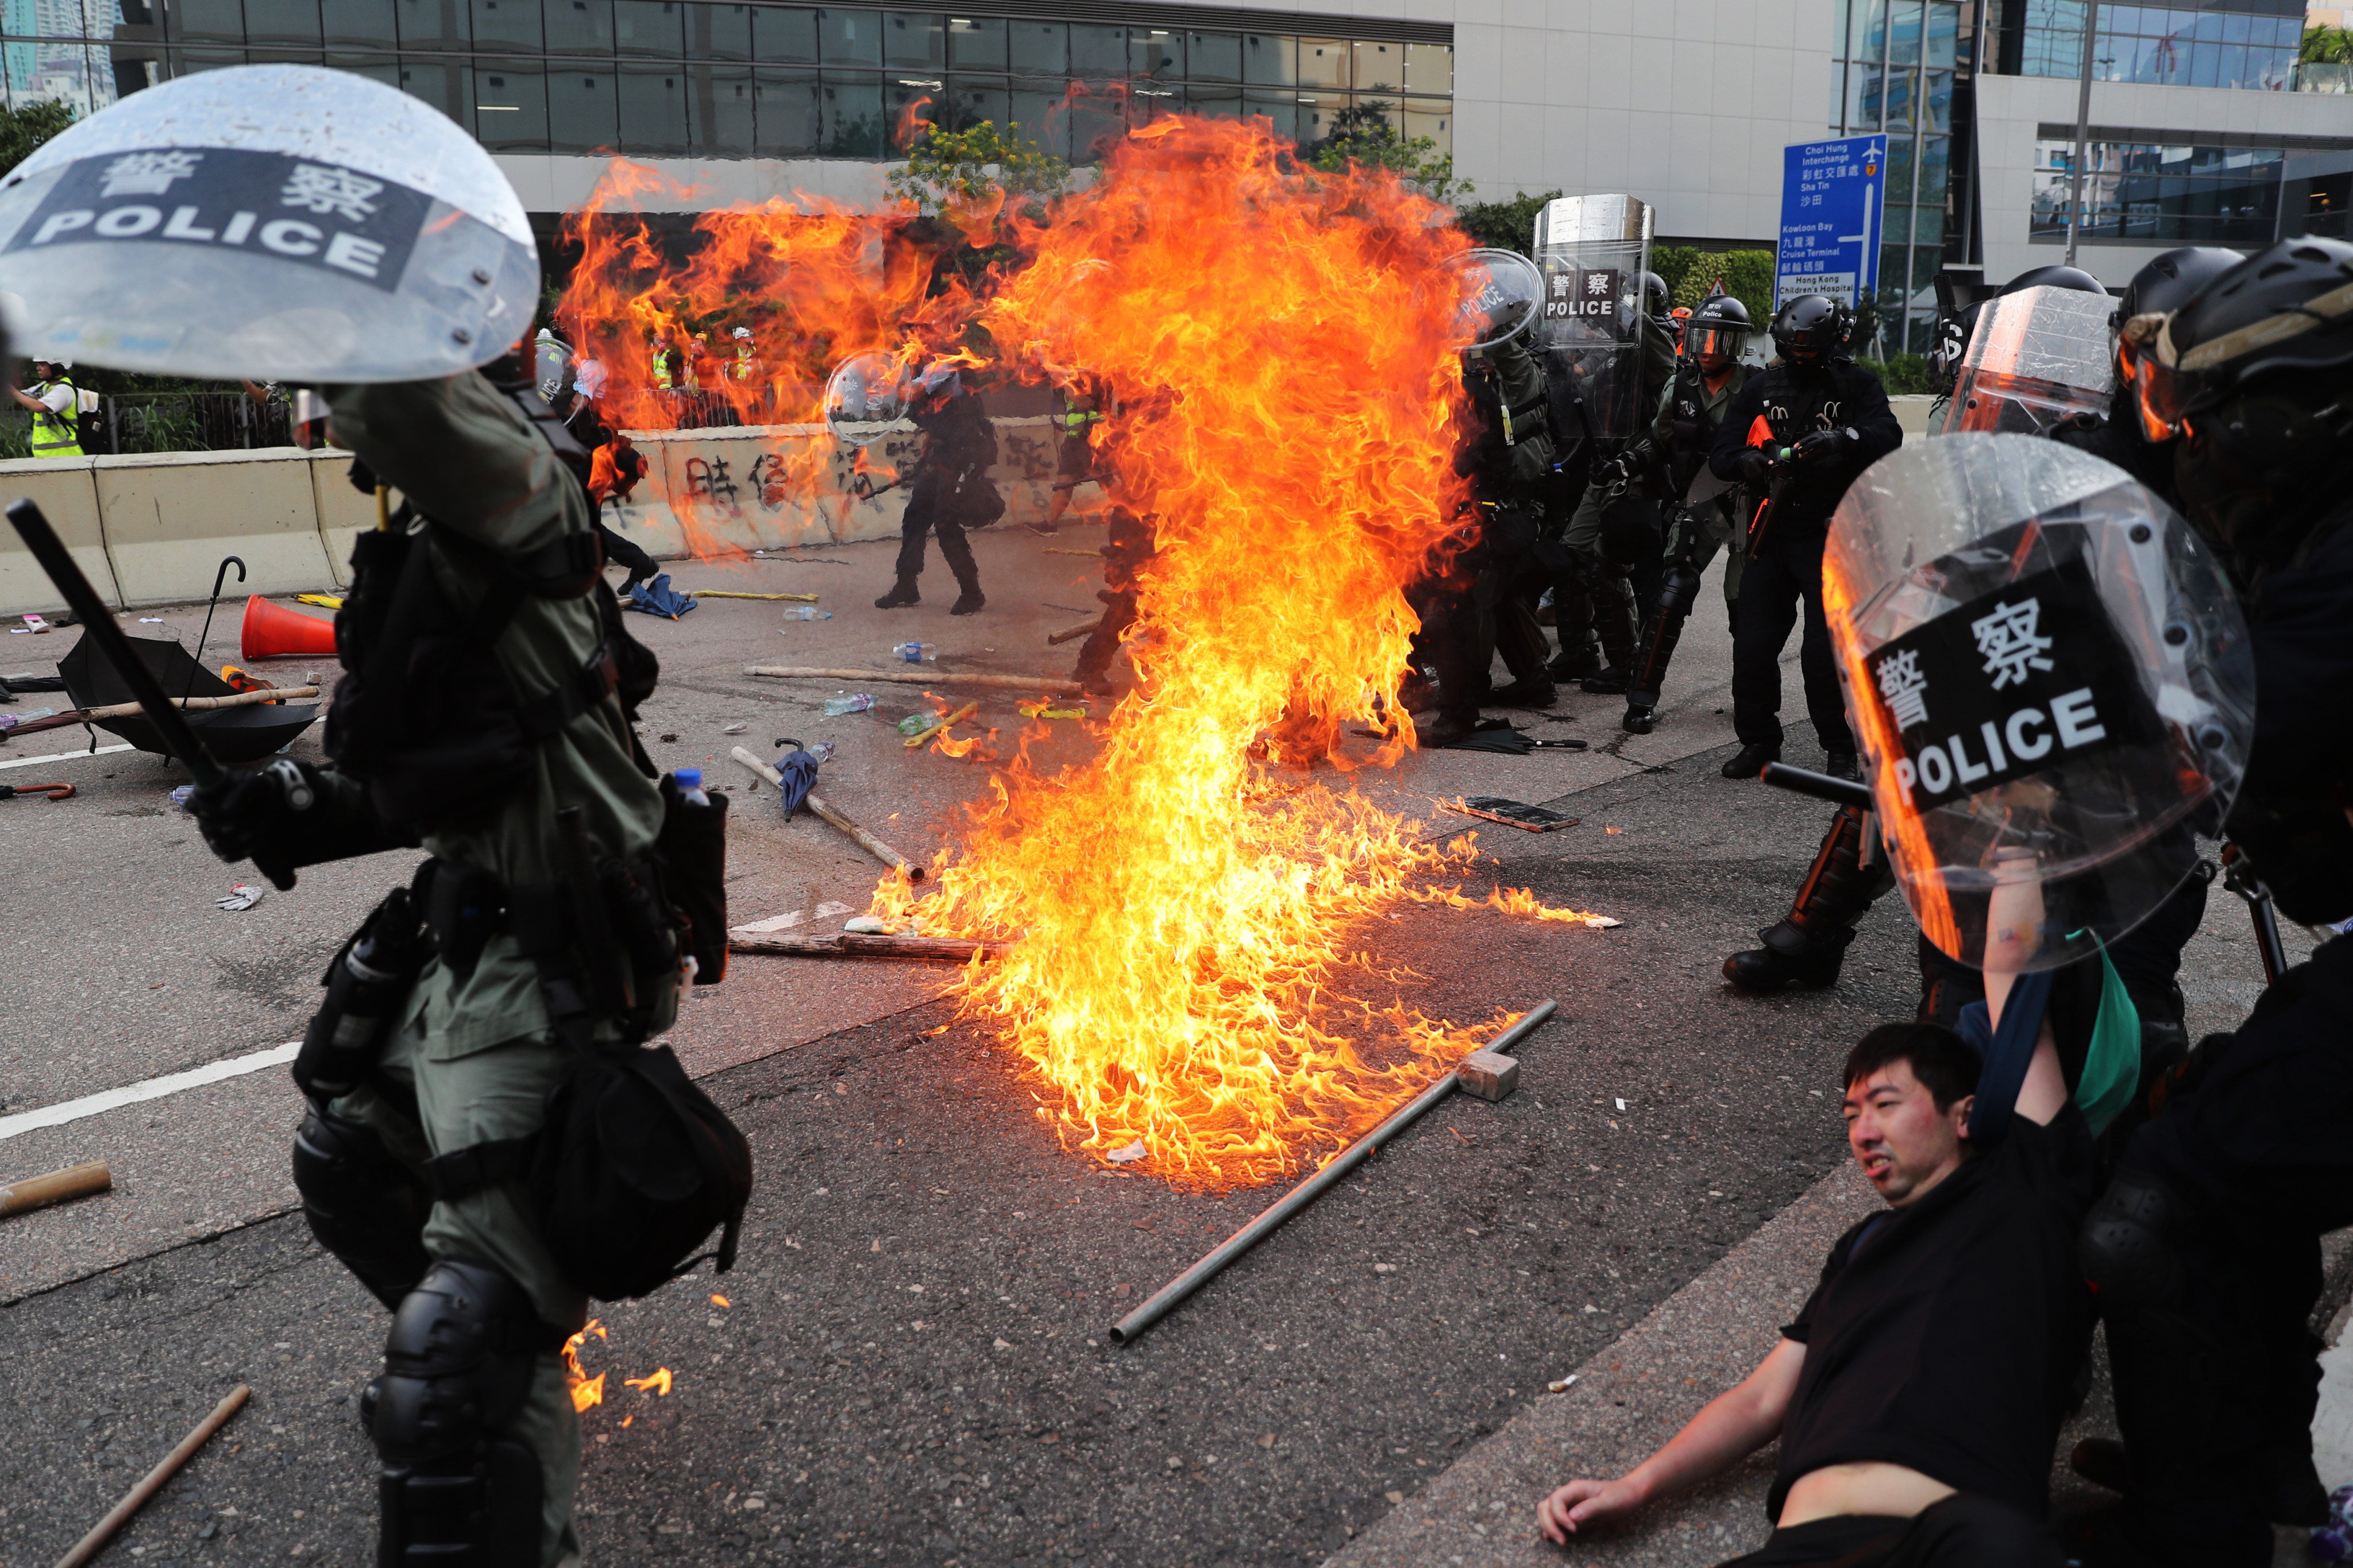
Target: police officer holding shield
pixel 318 228
pixel 2204 1251
pixel 1796 437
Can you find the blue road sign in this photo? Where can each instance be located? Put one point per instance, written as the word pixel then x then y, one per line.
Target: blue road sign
pixel 1830 218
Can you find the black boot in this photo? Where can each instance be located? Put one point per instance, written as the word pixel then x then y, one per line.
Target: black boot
pixel 1524 693
pixel 1613 623
pixel 968 603
pixel 1677 592
pixel 1809 943
pixel 1750 760
pixel 1447 728
pixel 901 596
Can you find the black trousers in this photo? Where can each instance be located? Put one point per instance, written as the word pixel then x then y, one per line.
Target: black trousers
pixel 1784 575
pixel 929 511
pixel 2215 1370
pixel 1962 1531
pixel 621 553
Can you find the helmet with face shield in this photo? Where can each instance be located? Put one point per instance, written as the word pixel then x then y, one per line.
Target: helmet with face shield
pixel 1717 330
pixel 2050 675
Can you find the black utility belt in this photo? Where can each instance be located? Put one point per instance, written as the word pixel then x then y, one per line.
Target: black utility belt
pixel 465 906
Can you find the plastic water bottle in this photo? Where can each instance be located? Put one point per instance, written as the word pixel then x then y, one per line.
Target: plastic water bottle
pixel 689 786
pixel 834 706
pixel 915 652
pixel 914 723
pixel 806 613
pixel 821 750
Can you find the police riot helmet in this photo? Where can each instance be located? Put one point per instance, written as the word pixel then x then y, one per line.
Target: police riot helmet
pixel 1810 328
pixel 2172 279
pixel 1651 290
pixel 2055 277
pixel 1720 326
pixel 2251 373
pixel 274 222
pixel 2051 677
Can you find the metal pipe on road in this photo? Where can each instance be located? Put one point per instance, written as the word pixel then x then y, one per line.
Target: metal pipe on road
pixel 1169 1295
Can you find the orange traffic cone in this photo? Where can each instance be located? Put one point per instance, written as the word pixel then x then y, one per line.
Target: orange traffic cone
pixel 274 633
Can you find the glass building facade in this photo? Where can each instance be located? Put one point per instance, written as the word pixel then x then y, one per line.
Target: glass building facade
pixel 2150 193
pixel 690 78
pixel 1903 67
pixel 2246 43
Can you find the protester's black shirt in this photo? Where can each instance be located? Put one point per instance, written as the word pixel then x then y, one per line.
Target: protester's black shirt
pixel 1945 1336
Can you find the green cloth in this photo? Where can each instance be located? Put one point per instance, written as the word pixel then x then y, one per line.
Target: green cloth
pixel 2112 1060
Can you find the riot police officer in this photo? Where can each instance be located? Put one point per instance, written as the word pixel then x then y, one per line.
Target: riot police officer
pixel 951 491
pixel 2204 1251
pixel 1708 377
pixel 1797 434
pixel 484 713
pixel 1611 542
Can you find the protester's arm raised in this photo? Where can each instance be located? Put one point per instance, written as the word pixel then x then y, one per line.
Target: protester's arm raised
pixel 1734 1424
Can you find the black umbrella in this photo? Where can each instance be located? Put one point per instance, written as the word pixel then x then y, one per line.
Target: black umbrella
pixel 232 734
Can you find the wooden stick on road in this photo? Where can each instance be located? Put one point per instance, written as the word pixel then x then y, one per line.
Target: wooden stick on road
pixel 90 1545
pixel 913 677
pixel 870 944
pixel 865 840
pixel 1056 639
pixel 40 1192
pixel 730 593
pixel 940 721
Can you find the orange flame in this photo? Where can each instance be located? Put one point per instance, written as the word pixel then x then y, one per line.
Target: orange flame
pixel 658 1382
pixel 586 1390
pixel 1286 386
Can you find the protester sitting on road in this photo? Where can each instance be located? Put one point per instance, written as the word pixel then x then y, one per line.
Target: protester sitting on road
pixel 1919 1393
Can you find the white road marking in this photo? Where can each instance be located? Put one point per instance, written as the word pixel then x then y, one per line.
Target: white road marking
pixel 62 756
pixel 785 922
pixel 151 1089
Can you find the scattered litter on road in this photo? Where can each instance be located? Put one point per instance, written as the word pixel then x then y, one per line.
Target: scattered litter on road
pixel 914 722
pixel 1561 1384
pixel 869 925
pixel 10 721
pixel 91 1545
pixel 834 706
pixel 808 613
pixel 1621 1105
pixel 730 593
pixel 56 1187
pixel 179 797
pixel 1384 1267
pixel 243 896
pixel 1510 813
pixel 938 724
pixel 36 623
pixel 54 791
pixel 915 652
pixel 1044 708
pixel 735 729
pixel 1134 1151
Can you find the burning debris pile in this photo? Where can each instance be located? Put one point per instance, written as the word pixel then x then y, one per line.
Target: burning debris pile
pixel 1280 349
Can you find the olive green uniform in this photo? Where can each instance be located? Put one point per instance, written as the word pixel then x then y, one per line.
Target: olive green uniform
pixel 1595 572
pixel 478 1054
pixel 1720 524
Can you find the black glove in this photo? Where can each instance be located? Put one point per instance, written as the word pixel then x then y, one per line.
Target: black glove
pixel 1756 467
pixel 1616 472
pixel 1821 444
pixel 289 814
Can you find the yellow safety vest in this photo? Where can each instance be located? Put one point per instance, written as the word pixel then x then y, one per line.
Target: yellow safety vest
pixel 56 435
pixel 661 367
pixel 746 362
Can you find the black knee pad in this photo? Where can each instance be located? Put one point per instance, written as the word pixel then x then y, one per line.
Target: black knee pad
pixel 458 1488
pixel 2130 1246
pixel 363 1205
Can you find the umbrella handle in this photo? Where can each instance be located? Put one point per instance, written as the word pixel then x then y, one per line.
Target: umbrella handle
pixel 219 578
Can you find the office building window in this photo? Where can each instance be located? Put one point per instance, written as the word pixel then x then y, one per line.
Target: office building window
pixel 2250 44
pixel 1897 69
pixel 676 77
pixel 2151 192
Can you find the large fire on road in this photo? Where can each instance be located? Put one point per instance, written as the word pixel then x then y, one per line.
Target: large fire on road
pixel 1280 345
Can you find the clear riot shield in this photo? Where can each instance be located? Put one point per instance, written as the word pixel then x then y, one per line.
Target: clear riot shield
pixel 2035 357
pixel 2049 674
pixel 1499 295
pixel 1591 249
pixel 279 223
pixel 866 398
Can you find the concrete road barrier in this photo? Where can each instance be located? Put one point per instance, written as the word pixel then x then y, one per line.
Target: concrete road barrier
pixel 151 529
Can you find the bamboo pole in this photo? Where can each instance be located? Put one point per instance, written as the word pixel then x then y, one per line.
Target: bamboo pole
pixel 912 677
pixel 234 700
pixel 941 722
pixel 730 593
pixel 1090 555
pixel 1056 639
pixel 91 1545
pixel 1166 1300
pixel 40 1192
pixel 865 840
pixel 868 944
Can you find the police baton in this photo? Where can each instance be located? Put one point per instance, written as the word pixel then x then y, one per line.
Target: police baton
pixel 97 624
pixel 1822 786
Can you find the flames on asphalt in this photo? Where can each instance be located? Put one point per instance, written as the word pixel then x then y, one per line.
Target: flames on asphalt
pixel 1278 345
